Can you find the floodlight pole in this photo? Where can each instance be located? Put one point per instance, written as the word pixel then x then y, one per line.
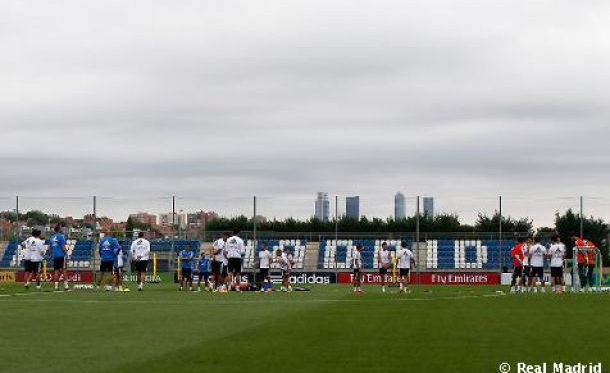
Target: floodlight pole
pixel 500 256
pixel 173 246
pixel 417 240
pixel 582 217
pixel 94 233
pixel 17 220
pixel 336 218
pixel 254 237
pixel 204 218
pixel 336 233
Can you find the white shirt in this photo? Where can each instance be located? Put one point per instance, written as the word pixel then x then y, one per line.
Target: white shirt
pixel 285 264
pixel 235 247
pixel 34 249
pixel 526 255
pixel 140 249
pixel 356 260
pixel 119 259
pixel 22 253
pixel 290 259
pixel 219 246
pixel 404 256
pixel 538 253
pixel 557 252
pixel 265 257
pixel 385 257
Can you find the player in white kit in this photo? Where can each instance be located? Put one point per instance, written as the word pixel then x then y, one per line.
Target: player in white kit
pixel 525 278
pixel 384 259
pixel 286 266
pixel 405 258
pixel 537 254
pixel 235 250
pixel 357 266
pixel 265 258
pixel 33 255
pixel 140 251
pixel 557 253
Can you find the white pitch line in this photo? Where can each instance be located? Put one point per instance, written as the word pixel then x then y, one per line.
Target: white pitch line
pixel 261 301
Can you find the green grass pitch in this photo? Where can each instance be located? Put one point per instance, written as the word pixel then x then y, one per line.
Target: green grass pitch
pixel 434 329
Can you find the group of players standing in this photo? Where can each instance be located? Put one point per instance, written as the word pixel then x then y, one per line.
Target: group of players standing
pixel 404 259
pixel 221 268
pixel 111 254
pixel 529 257
pixel 32 254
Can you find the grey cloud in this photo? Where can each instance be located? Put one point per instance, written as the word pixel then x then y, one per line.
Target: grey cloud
pixel 217 102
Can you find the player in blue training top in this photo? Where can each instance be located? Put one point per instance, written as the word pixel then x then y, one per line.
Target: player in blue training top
pixel 57 244
pixel 186 262
pixel 108 249
pixel 203 269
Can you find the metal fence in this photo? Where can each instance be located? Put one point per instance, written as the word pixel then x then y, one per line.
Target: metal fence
pixel 179 218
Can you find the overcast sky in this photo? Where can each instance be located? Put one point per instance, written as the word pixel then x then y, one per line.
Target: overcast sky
pixel 216 101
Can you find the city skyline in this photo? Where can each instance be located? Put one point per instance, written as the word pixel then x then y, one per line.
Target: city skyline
pixel 300 207
pixel 400 207
pixel 428 206
pixel 352 207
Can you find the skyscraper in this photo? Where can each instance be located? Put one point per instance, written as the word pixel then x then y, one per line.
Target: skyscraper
pixel 322 207
pixel 352 207
pixel 429 206
pixel 400 207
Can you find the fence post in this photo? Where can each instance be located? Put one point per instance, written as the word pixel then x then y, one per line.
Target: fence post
pixel 173 242
pixel 582 222
pixel 253 239
pixel 417 242
pixel 501 257
pixel 17 228
pixel 94 240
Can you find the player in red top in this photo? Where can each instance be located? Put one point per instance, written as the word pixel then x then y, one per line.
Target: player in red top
pixel 586 262
pixel 516 253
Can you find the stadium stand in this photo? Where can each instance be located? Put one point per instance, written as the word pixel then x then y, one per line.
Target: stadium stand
pixel 444 254
pixel 296 247
pixel 338 254
pixel 9 255
pixel 467 254
pixel 79 254
pixel 166 245
pixel 440 254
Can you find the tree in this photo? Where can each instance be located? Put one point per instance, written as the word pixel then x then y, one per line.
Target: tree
pixel 36 217
pixel 596 230
pixel 485 223
pixel 129 226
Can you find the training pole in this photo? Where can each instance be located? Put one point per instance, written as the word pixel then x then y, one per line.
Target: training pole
pixel 17 230
pixel 253 238
pixel 94 238
pixel 336 233
pixel 417 241
pixel 173 245
pixel 582 218
pixel 500 256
